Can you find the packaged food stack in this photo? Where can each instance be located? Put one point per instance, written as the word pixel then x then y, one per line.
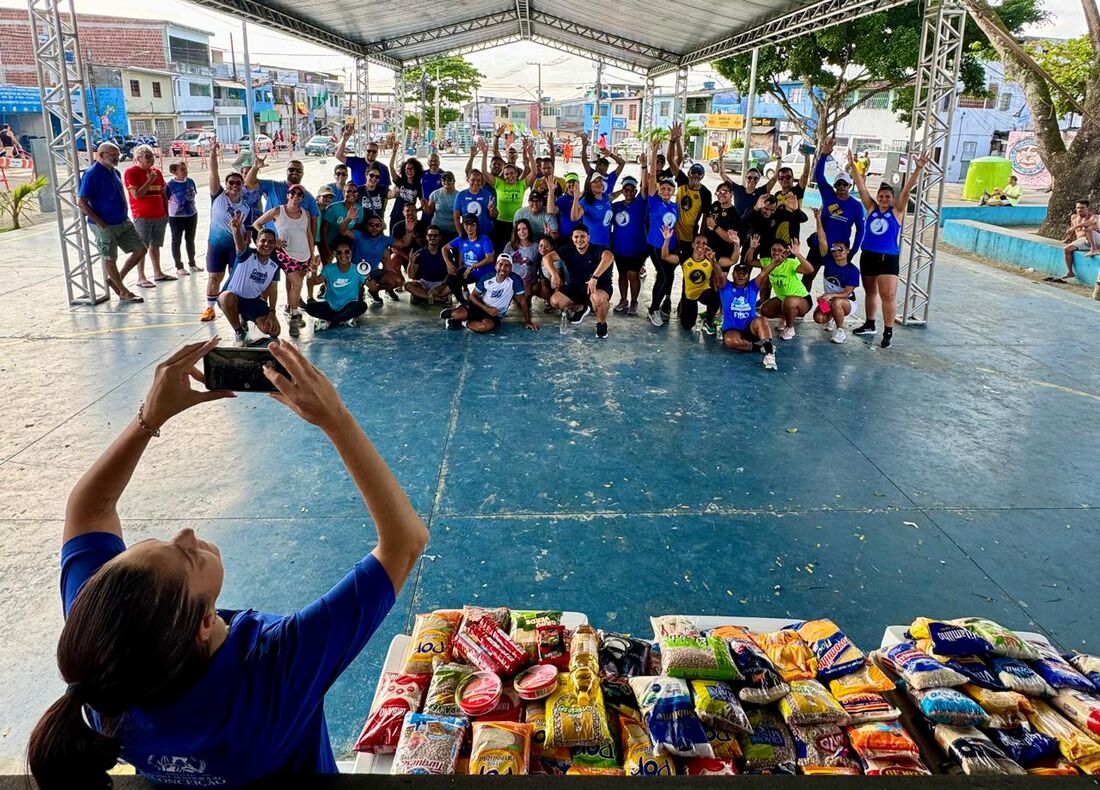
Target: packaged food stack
pixel 995 703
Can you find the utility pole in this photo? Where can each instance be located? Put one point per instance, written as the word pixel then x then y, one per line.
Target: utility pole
pixel 599 98
pixel 423 101
pixel 249 105
pixel 749 110
pixel 538 117
pixel 477 114
pixel 233 57
pixel 438 100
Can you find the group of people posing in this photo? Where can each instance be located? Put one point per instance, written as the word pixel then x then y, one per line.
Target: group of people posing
pixel 519 230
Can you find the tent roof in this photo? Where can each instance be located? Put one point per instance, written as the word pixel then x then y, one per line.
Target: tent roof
pixel 645 36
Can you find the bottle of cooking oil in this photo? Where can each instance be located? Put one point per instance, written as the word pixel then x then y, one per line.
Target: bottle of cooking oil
pixel 584 662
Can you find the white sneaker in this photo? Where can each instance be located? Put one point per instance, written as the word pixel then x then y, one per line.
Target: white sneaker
pixel 839 336
pixel 830 326
pixel 320 326
pixel 769 362
pixel 781 325
pixel 655 318
pixel 351 322
pixel 787 333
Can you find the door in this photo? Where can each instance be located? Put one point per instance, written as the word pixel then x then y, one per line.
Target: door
pixel 968 150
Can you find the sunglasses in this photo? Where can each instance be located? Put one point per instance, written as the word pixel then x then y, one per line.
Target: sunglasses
pixel 342 253
pixel 234 183
pixel 375 176
pixel 838 249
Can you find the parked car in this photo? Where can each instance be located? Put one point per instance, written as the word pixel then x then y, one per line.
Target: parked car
pixel 758 157
pixel 190 141
pixel 264 143
pixel 631 149
pixel 793 160
pixel 320 145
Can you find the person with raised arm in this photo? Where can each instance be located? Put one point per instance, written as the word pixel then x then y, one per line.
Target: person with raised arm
pixel 742 329
pixel 663 211
pixel 747 195
pixel 602 165
pixel 841 211
pixel 221 247
pixel 162 678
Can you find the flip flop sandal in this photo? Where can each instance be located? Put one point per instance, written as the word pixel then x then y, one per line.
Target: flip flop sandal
pixel 131 298
pixel 164 278
pixel 147 284
pixel 1048 279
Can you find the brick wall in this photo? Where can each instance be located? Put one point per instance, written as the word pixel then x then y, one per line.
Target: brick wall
pixel 105 40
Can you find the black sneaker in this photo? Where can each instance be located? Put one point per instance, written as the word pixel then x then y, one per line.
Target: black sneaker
pixel 887 337
pixel 377 299
pixel 453 324
pixel 578 315
pixel 418 300
pixel 392 294
pixel 866 328
pixel 445 313
pixel 601 330
pixel 707 328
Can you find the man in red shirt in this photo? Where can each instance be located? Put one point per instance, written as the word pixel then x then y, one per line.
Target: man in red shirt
pixel 145 188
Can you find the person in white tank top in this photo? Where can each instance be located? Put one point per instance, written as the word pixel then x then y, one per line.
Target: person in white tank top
pixel 294 228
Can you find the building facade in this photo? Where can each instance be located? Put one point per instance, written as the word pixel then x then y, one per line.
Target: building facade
pixel 149 95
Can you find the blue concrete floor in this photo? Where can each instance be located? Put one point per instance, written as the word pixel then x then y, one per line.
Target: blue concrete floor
pixel 954 474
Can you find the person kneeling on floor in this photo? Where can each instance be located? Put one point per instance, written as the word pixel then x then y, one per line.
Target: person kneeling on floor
pixel 245 297
pixel 702 278
pixel 589 285
pixel 344 284
pixel 428 271
pixel 841 281
pixel 790 299
pixel 742 328
pixel 489 301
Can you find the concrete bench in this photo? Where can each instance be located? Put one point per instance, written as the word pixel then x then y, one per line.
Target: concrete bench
pixel 996 215
pixel 1017 247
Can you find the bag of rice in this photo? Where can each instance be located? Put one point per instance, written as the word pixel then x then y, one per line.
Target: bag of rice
pixel 867 679
pixel 949 639
pixel 808 702
pixel 769 749
pixel 917 669
pixel 717 706
pixel 398 694
pixel 1087 665
pixel 823 748
pixel 1004 641
pixel 669 716
pixel 762 684
pixel 865 708
pixel 789 654
pixel 1018 676
pixel 1009 708
pixel 697 657
pixel 1058 672
pixel 428 745
pixel 835 653
pixel 975 753
pixel 640 758
pixel 1023 745
pixel 500 748
pixel 1081 709
pixel 948 706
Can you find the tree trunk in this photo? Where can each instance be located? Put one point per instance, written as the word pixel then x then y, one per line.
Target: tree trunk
pixel 1077 178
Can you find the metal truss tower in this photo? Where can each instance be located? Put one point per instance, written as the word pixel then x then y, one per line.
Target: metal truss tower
pixel 362 99
pixel 933 107
pixel 59 62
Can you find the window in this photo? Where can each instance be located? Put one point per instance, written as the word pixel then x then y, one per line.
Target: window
pixel 968 150
pixel 633 112
pixel 698 104
pixel 135 88
pixel 899 145
pixel 1006 102
pixel 180 50
pixel 620 111
pixel 139 127
pixel 796 95
pixel 198 88
pixel 666 107
pixel 880 101
pixel 156 90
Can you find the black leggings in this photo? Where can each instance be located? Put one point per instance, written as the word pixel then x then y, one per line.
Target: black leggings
pixel 183 227
pixel 689 308
pixel 662 284
pixel 326 312
pixel 456 281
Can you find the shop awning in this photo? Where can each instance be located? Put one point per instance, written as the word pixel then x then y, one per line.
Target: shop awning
pixel 266 116
pixel 229 84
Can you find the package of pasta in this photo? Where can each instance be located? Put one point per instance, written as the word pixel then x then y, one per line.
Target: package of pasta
pixel 570 723
pixel 761 683
pixel 669 716
pixel 1004 642
pixel 917 669
pixel 622 655
pixel 894 766
pixel 789 654
pixel 1057 766
pixel 428 745
pixel 975 753
pixel 697 657
pixel 864 708
pixel 724 743
pixel 1081 709
pixel 949 639
pixel 1087 665
pixel 1074 745
pixel 639 756
pixel 524 630
pixel 397 695
pixel 768 749
pixel 1018 676
pixel 500 748
pixel 882 740
pixel 585 770
pixel 823 749
pixel 673 625
pixel 1058 672
pixel 703 766
pixel 440 700
pixel 717 706
pixel 619 696
pixel 432 638
pixel 808 702
pixel 867 679
pixel 949 706
pixel 1025 746
pixel 836 655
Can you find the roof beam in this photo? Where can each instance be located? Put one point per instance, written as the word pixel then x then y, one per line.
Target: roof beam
pixel 445 31
pixel 605 38
pixel 818 16
pixel 466 50
pixel 560 43
pixel 523 14
pixel 262 14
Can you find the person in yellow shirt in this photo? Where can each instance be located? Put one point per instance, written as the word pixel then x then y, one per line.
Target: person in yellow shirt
pixel 694 201
pixel 702 279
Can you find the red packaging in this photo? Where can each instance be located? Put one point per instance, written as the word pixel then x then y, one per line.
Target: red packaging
pixel 706 766
pixel 508 708
pixel 479 694
pixel 552 646
pixel 475 654
pixel 399 695
pixel 492 639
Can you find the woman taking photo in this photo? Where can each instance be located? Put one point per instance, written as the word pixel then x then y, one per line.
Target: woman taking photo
pixel 169 682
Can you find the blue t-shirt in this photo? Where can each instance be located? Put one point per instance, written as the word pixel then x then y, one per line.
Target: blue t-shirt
pixel 565 216
pixel 335 214
pixel 101 186
pixel 274 193
pixel 610 179
pixel 181 197
pixel 661 212
pixel 628 228
pixel 364 248
pixel 478 205
pixel 838 217
pixel 258 708
pixel 221 211
pixel 357 171
pixel 430 265
pixel 430 182
pixel 882 233
pixel 738 305
pixel 342 288
pixel 471 253
pixel 837 278
pixel 597 217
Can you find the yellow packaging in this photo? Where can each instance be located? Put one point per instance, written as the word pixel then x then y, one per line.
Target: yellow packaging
pixel 432 638
pixel 500 748
pixel 725 744
pixel 791 656
pixel 1074 745
pixel 569 723
pixel 868 680
pixel 580 770
pixel 639 756
pixel 997 702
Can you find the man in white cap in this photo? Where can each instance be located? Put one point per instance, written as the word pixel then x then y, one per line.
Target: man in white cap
pixel 489 301
pixel 840 213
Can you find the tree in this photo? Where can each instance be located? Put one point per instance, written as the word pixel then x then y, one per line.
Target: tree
pixel 844 65
pixel 1069 63
pixel 446 115
pixel 457 76
pixel 1074 168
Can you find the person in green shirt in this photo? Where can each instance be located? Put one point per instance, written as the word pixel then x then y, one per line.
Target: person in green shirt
pixel 789 299
pixel 510 188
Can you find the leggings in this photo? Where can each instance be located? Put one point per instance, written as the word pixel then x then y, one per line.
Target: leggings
pixel 326 312
pixel 689 308
pixel 456 281
pixel 183 227
pixel 662 284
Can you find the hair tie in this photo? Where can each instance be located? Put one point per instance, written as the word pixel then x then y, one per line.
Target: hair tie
pixel 74 690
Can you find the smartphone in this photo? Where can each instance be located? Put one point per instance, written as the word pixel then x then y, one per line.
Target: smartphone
pixel 239 369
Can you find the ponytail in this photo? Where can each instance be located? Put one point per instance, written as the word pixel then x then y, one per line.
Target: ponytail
pixel 130 640
pixel 66 753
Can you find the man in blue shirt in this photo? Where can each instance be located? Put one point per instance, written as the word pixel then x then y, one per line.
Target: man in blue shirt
pixel 840 212
pixel 359 165
pixel 469 257
pixel 275 192
pixel 103 201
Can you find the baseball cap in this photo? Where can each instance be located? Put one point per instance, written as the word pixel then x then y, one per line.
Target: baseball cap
pixel 742 267
pixel 325 190
pixel 536 195
pixel 468 218
pixel 697 168
pixel 667 180
pixel 569 178
pixel 504 257
pixel 842 177
pixel 597 177
pixel 630 181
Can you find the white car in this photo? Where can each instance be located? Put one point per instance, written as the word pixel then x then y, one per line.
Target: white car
pixel 264 143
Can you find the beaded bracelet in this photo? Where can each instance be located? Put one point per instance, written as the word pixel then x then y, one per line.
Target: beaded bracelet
pixel 143 425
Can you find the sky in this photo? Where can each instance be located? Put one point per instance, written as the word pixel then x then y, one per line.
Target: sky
pixel 506 68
